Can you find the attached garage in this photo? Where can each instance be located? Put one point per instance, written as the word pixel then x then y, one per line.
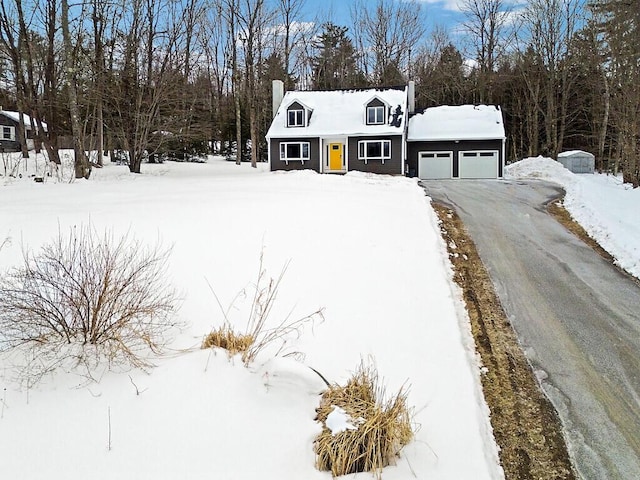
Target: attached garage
pixel 435 165
pixel 461 142
pixel 479 164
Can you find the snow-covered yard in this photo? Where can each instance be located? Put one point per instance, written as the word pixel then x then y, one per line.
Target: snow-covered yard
pixel 364 247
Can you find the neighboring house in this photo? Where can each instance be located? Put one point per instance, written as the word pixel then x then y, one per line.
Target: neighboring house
pixel 9 127
pixel 375 130
pixel 339 131
pixel 578 161
pixel 466 141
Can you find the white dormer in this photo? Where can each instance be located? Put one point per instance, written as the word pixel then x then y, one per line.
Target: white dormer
pixel 376 112
pixel 298 115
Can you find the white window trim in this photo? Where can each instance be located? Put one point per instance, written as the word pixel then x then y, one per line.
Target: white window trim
pixel 302 159
pixel 376 107
pixel 362 150
pixel 301 111
pixel 12 133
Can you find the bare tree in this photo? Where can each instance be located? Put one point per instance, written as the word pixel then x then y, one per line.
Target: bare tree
pixel 247 21
pixel 216 43
pixel 35 66
pixel 71 63
pixel 230 11
pixel 144 76
pixel 618 22
pixel 485 23
pixel 289 10
pixel 549 27
pixel 388 31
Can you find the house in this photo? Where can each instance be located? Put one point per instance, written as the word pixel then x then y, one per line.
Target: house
pixel 578 161
pixel 339 131
pixel 457 142
pixel 376 130
pixel 9 127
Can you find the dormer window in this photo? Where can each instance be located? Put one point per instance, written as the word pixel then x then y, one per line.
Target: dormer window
pixel 375 115
pixel 295 118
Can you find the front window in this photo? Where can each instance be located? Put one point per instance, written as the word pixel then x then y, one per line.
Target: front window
pixel 295 118
pixel 375 115
pixel 374 150
pixel 8 133
pixel 294 152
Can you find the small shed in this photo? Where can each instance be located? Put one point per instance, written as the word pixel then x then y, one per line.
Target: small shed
pixel 578 161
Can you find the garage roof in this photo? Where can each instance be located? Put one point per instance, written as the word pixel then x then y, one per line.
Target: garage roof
pixel 463 122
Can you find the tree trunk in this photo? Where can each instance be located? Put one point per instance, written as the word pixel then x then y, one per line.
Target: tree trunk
pixel 81 163
pixel 236 82
pixel 602 137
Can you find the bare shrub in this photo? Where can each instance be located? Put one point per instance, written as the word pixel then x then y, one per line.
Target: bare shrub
pixel 378 426
pixel 88 293
pixel 258 335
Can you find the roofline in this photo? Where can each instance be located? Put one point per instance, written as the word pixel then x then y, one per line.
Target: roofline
pixel 452 139
pixel 400 131
pixel 27 125
pixel 399 88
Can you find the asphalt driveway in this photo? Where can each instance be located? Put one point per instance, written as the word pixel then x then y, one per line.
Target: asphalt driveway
pixel 576 316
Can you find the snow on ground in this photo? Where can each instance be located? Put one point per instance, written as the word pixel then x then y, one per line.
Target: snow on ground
pixel 366 248
pixel 605 207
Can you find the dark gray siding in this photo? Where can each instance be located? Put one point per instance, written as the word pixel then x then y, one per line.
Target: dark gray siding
pixel 414 148
pixel 9 145
pixel 390 167
pixel 314 155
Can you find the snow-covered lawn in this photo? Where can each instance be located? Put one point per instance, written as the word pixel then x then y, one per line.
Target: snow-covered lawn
pixel 607 209
pixel 364 247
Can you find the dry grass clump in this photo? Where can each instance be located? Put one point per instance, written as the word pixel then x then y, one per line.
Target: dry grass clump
pixel 380 426
pixel 261 332
pixel 226 338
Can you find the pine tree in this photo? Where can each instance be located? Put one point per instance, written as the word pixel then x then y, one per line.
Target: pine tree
pixel 335 65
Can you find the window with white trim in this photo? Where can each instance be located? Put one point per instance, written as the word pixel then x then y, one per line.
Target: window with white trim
pixel 379 150
pixel 295 118
pixel 294 152
pixel 375 115
pixel 8 133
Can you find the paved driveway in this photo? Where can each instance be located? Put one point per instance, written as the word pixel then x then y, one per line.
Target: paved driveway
pixel 576 316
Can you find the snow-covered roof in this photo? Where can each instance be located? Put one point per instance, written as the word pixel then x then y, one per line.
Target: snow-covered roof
pixel 464 122
pixel 15 116
pixel 340 112
pixel 573 153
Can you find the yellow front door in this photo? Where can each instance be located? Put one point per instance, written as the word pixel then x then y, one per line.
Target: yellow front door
pixel 335 156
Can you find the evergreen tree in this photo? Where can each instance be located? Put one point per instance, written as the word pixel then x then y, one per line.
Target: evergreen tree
pixel 444 82
pixel 335 65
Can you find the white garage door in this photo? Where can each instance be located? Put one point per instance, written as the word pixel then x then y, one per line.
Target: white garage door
pixel 434 165
pixel 478 164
